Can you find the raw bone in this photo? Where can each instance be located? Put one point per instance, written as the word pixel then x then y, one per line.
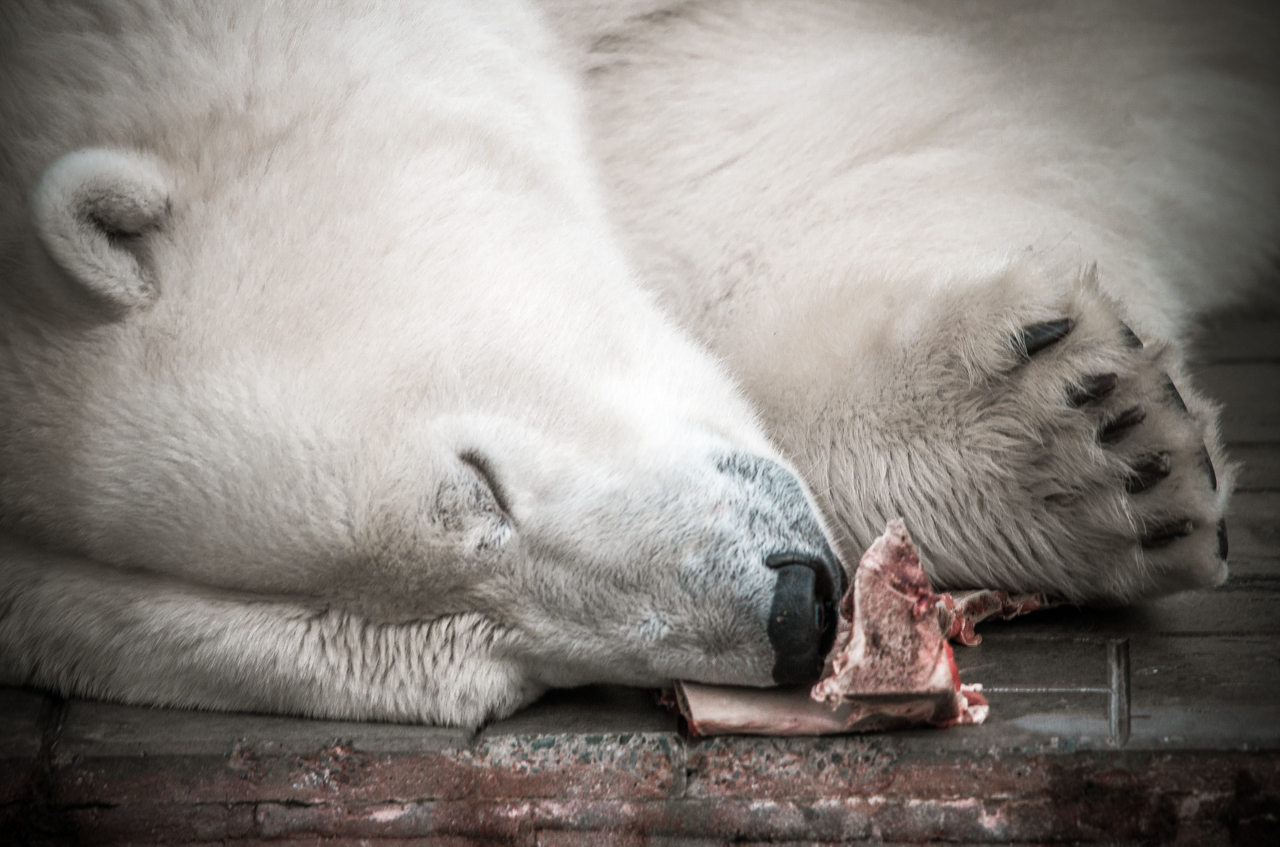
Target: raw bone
pixel 891 665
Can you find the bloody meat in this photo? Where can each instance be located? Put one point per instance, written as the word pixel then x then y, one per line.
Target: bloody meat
pixel 891 665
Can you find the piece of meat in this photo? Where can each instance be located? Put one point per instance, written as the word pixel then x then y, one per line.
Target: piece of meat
pixel 960 610
pixel 893 655
pixel 891 664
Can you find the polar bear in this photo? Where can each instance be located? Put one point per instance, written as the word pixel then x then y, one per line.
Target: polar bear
pixel 385 360
pixel 326 389
pixel 953 253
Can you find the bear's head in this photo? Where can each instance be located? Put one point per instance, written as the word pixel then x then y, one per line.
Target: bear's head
pixel 400 372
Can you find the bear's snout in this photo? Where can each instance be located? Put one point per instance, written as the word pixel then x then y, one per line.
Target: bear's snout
pixel 776 516
pixel 802 618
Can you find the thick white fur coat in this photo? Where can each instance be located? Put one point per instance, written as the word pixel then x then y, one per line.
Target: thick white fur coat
pixel 858 205
pixel 397 361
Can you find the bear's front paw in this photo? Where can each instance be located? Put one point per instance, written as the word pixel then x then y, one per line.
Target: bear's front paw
pixel 1123 470
pixel 1031 441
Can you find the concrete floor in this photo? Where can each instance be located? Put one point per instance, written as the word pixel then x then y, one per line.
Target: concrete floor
pixel 1150 725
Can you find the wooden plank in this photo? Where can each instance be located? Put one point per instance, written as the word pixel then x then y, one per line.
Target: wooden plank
pixel 1204 693
pixel 1006 663
pixel 1238 339
pixel 590 710
pixel 107 729
pixel 1253 573
pixel 1195 671
pixel 22 719
pixel 1251 393
pixel 1245 611
pixel 1253 523
pixel 1260 467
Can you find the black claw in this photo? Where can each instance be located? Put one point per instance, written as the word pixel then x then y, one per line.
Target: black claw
pixel 1093 388
pixel 1130 337
pixel 1037 337
pixel 1172 391
pixel 1222 539
pixel 1149 470
pixel 1167 534
pixel 1120 425
pixel 1208 464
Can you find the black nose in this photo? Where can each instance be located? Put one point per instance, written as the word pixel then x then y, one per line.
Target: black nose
pixel 802 620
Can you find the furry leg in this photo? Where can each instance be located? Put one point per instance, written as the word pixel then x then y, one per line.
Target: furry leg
pixel 1030 439
pixel 82 629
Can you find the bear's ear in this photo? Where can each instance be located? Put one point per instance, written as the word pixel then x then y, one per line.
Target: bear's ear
pixel 93 211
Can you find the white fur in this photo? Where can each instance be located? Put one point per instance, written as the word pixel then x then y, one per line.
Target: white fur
pixel 858 205
pixel 90 198
pixel 397 434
